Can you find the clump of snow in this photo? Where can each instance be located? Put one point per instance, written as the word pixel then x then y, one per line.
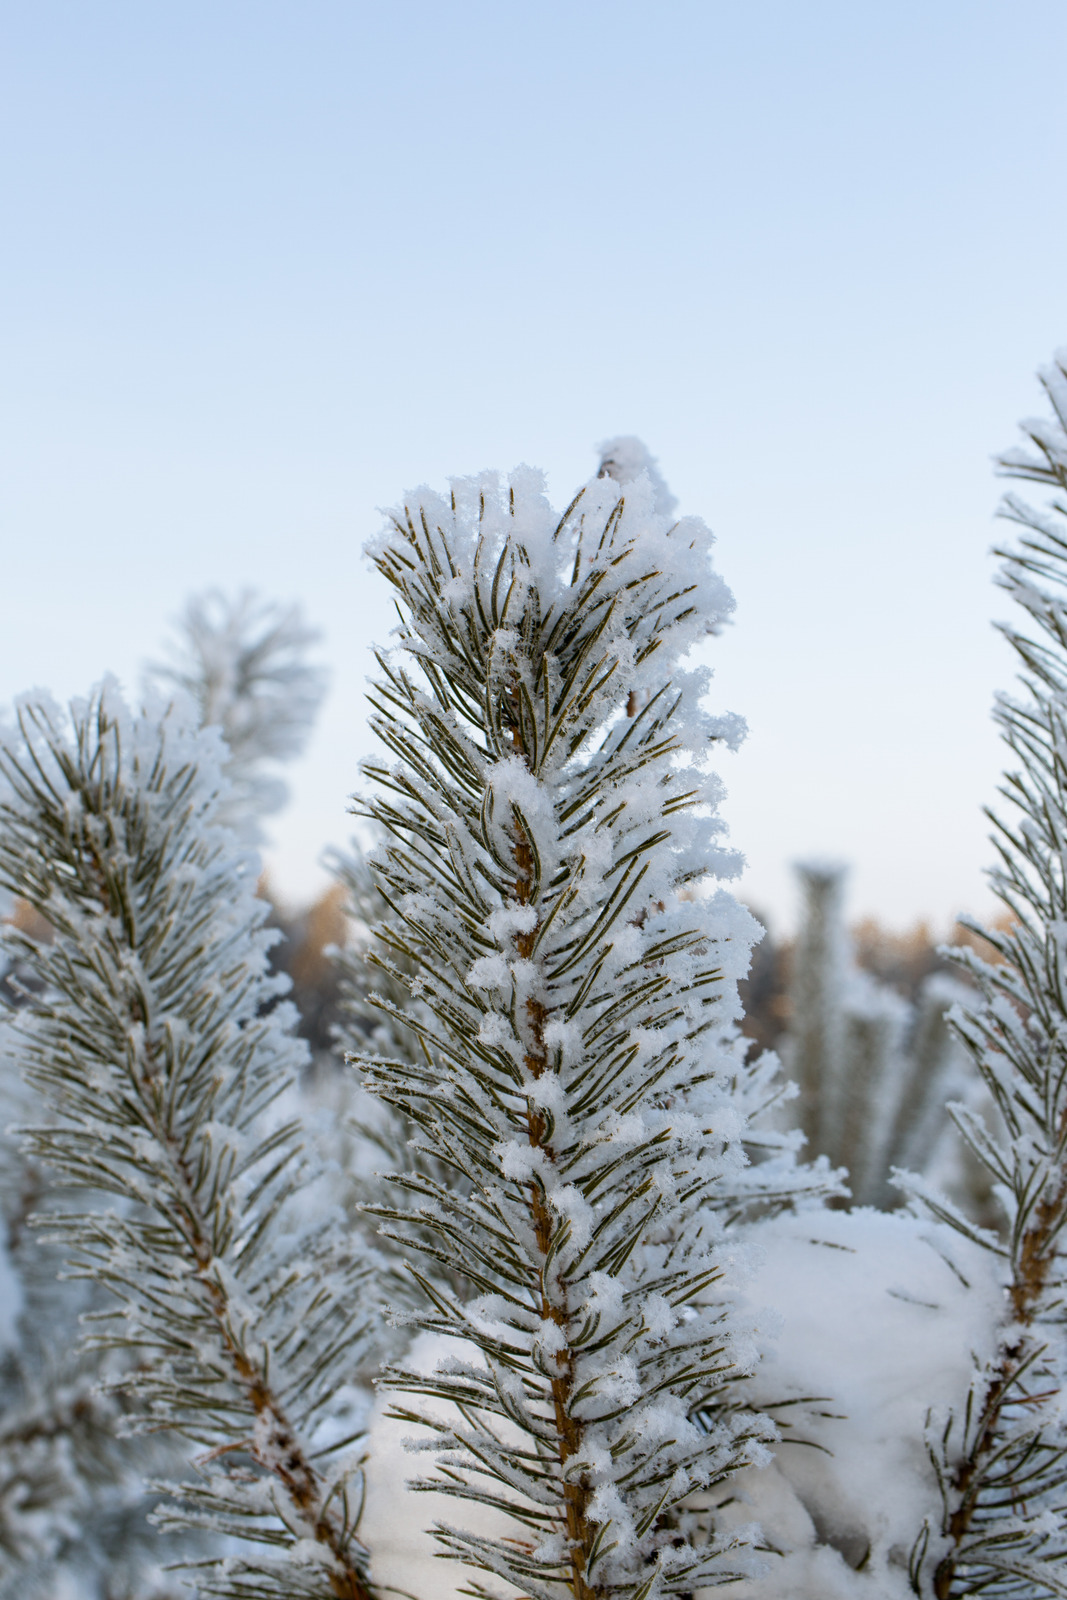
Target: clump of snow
pixel 625 458
pixel 884 1316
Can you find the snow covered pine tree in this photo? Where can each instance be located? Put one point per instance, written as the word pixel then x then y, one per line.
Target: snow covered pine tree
pixel 72 1506
pixel 156 1037
pixel 1003 1462
pixel 549 833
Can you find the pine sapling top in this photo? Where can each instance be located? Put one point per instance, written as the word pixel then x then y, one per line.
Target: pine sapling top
pixel 551 840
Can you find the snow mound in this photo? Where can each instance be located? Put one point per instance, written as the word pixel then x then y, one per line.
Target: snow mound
pixel 881 1318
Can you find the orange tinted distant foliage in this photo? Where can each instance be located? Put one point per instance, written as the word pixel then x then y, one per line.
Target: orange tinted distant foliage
pixel 31 923
pixel 324 924
pixel 301 952
pixel 901 960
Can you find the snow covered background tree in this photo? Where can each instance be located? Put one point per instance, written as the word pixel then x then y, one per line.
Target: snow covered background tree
pixel 244 664
pixel 874 1070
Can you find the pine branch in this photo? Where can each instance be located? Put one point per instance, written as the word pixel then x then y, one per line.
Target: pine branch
pixel 156 1039
pixel 1003 1464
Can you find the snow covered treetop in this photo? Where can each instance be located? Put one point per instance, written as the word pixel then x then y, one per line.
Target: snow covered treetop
pixel 614 581
pixel 243 661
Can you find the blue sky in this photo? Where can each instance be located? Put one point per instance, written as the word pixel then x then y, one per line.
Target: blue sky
pixel 264 266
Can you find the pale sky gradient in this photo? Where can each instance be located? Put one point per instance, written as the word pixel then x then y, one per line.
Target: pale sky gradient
pixel 264 266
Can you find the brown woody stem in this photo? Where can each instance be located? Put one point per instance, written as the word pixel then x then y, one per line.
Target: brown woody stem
pixel 581 1531
pixel 281 1454
pixel 1032 1268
